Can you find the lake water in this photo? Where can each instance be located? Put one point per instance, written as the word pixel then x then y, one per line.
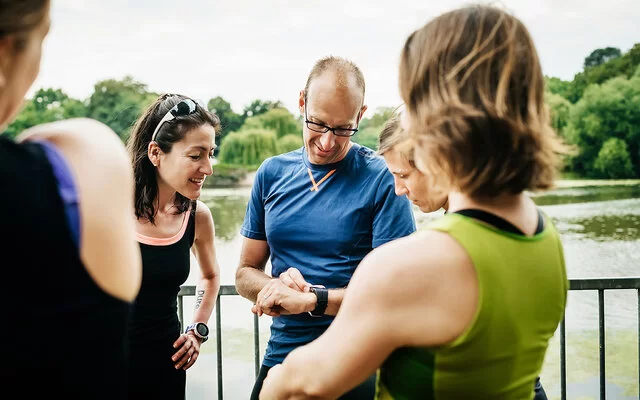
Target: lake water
pixel 600 227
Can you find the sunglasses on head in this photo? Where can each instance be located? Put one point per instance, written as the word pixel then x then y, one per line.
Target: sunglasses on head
pixel 183 108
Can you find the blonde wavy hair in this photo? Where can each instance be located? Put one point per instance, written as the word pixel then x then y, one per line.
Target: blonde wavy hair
pixel 473 89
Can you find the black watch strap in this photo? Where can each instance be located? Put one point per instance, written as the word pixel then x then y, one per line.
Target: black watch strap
pixel 322 301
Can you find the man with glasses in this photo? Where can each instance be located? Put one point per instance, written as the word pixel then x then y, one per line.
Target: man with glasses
pixel 315 213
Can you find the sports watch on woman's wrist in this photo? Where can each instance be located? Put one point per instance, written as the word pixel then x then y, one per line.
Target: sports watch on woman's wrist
pixel 200 329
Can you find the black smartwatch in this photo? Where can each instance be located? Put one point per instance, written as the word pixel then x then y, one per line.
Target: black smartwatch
pixel 322 295
pixel 200 329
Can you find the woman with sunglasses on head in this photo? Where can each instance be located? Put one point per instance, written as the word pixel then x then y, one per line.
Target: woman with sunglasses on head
pixel 171 147
pixel 67 295
pixel 464 308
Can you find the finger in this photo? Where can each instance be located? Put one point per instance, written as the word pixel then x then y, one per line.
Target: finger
pixel 182 351
pixel 265 298
pixel 181 359
pixel 286 279
pixel 191 361
pixel 272 313
pixel 298 279
pixel 180 341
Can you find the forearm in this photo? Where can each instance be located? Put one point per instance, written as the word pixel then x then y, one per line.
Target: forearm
pixel 206 297
pixel 250 281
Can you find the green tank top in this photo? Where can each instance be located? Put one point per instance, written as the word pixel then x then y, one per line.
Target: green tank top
pixel 523 292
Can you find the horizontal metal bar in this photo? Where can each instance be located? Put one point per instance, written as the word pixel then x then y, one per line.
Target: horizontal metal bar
pixel 604 283
pixel 225 290
pixel 574 284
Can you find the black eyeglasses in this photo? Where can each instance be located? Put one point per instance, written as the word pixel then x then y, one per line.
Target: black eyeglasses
pixel 320 128
pixel 183 108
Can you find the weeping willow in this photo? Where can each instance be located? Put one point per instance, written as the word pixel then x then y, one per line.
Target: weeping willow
pixel 288 143
pixel 248 147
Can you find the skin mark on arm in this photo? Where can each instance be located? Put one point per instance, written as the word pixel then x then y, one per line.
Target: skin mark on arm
pixel 199 296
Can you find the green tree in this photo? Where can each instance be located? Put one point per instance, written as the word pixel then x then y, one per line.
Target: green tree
pixel 559 107
pixel 601 56
pixel 610 110
pixel 278 119
pixel 248 147
pixel 118 103
pixel 378 119
pixel 557 86
pixel 613 161
pixel 258 107
pixel 624 65
pixel 47 105
pixel 289 143
pixel 368 137
pixel 229 120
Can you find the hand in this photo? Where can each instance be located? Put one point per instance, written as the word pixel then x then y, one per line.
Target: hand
pixel 188 346
pixel 294 279
pixel 276 298
pixel 269 389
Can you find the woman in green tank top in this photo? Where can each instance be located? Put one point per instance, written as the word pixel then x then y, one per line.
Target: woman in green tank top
pixel 464 308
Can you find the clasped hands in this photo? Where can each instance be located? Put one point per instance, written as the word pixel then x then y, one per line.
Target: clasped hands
pixel 288 294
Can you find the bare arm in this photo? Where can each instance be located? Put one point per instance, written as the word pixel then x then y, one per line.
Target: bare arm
pixel 250 275
pixel 399 285
pixel 205 251
pixel 188 345
pixel 103 175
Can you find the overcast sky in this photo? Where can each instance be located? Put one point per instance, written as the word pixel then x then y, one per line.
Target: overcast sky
pixel 263 49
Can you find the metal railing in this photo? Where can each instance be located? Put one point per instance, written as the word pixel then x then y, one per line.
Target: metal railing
pixel 595 284
pixel 599 284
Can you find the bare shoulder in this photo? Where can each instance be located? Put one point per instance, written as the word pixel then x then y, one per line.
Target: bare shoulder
pixel 93 137
pixel 204 217
pixel 424 285
pixel 104 179
pixel 424 255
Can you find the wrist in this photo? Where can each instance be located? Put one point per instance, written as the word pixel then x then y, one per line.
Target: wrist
pixel 310 301
pixel 190 333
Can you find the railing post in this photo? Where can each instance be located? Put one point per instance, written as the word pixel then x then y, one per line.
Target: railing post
pixel 256 344
pixel 603 380
pixel 563 361
pixel 219 346
pixel 181 313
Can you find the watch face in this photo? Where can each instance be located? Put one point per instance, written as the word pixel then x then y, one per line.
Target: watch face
pixel 202 330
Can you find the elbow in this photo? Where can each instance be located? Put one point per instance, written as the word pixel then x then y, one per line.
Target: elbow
pixel 240 276
pixel 317 393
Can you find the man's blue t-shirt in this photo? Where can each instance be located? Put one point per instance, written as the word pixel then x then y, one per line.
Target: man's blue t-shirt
pixel 324 233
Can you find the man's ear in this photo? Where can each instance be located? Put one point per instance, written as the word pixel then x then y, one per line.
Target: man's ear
pixel 301 102
pixel 362 110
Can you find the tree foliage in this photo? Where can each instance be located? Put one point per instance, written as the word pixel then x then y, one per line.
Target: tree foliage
pixel 229 120
pixel 46 105
pixel 613 161
pixel 118 103
pixel 610 110
pixel 278 119
pixel 601 56
pixel 289 143
pixel 248 147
